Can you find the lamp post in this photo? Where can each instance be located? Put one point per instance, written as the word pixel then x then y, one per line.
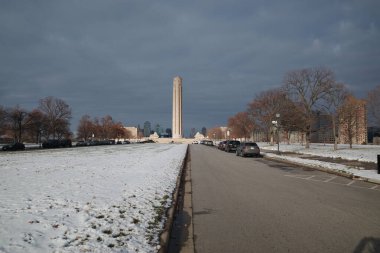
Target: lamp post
pixel 274 127
pixel 278 132
pixel 39 137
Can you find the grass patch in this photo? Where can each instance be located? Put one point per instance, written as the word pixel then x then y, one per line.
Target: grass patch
pixel 159 214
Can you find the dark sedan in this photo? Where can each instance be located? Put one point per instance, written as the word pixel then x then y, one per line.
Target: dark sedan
pixel 14 147
pixel 222 145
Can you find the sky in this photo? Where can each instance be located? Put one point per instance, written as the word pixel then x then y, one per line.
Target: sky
pixel 119 58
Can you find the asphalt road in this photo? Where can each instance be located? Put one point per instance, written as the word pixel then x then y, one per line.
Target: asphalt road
pixel 257 205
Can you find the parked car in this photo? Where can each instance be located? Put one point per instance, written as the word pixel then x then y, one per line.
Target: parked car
pixel 248 149
pixel 195 142
pixel 93 143
pixel 14 147
pixel 207 143
pixel 103 142
pixel 222 145
pixel 126 142
pixel 147 141
pixel 81 144
pixel 65 143
pixel 231 146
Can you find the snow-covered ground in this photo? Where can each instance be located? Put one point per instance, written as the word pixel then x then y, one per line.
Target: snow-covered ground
pixel 365 153
pixel 91 199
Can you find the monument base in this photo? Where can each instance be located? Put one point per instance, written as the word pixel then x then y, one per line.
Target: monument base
pixel 174 140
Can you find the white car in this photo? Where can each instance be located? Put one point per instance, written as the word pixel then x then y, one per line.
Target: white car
pixel 195 142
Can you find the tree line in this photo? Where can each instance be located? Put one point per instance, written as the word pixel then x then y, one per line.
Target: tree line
pixel 104 128
pixel 51 120
pixel 303 93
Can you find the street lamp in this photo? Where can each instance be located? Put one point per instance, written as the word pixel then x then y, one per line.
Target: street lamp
pixel 278 132
pixel 39 137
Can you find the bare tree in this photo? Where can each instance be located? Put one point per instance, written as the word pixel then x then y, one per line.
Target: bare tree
pixel 373 103
pixel 57 114
pixel 215 132
pixel 241 125
pixel 18 119
pixel 291 118
pixel 106 127
pixel 307 87
pixel 118 131
pixel 263 109
pixel 36 125
pixel 349 118
pixel 103 129
pixel 85 128
pixel 97 131
pixel 3 117
pixel 334 100
pixel 63 130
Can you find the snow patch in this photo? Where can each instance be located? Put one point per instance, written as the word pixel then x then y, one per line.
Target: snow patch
pixel 365 153
pixel 93 199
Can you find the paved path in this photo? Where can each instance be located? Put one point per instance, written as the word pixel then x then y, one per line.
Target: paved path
pixel 256 205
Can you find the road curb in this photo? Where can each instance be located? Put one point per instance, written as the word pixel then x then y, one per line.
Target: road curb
pixel 188 244
pixel 324 169
pixel 165 235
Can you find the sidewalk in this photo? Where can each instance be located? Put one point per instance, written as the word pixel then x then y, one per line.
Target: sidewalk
pixel 365 171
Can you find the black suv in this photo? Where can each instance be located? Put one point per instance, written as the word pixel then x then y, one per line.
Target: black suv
pixel 14 147
pixel 231 146
pixel 65 143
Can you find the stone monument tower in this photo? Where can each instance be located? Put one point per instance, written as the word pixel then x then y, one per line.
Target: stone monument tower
pixel 177 108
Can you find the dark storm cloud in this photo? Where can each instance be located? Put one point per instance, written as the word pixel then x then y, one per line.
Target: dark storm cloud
pixel 119 57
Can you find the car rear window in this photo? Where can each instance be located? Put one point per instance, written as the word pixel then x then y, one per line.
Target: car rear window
pixel 251 144
pixel 235 142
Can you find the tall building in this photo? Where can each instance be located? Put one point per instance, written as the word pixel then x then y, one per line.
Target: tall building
pixel 322 129
pixel 158 129
pixel 177 107
pixel 147 128
pixel 358 126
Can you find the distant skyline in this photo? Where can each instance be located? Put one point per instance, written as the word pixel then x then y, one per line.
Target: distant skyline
pixel 119 57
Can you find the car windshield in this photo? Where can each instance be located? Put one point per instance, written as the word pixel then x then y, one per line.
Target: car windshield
pixel 235 142
pixel 251 144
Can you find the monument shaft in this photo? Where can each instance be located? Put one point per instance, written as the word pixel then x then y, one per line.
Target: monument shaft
pixel 177 107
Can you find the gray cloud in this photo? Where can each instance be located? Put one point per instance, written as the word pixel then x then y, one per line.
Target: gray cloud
pixel 119 57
